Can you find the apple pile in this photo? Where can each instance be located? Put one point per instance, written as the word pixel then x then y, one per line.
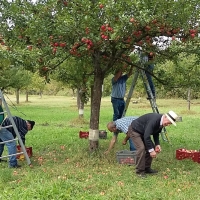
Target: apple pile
pixel 127 160
pixel 191 154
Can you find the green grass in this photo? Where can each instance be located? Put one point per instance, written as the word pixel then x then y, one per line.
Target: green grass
pixel 63 168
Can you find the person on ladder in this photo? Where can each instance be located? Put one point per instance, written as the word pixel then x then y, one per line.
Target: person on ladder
pixel 148 59
pixel 7 134
pixel 118 93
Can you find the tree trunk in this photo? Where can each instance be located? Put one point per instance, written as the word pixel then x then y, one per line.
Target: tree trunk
pixel 73 91
pixel 80 103
pixel 40 93
pixel 189 98
pixel 96 94
pixel 17 96
pixel 26 96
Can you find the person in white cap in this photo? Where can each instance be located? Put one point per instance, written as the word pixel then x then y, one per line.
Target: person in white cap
pixel 141 130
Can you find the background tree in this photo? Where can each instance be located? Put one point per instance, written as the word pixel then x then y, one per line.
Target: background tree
pixel 67 73
pixel 183 74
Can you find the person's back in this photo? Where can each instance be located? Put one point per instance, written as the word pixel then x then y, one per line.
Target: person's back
pixel 146 121
pixel 19 122
pixel 118 93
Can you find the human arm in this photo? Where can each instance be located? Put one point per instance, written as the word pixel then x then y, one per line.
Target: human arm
pixel 126 139
pixel 112 143
pixel 155 151
pixel 21 127
pixel 152 128
pixel 117 76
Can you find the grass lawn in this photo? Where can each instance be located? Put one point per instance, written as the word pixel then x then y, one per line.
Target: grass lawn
pixel 63 168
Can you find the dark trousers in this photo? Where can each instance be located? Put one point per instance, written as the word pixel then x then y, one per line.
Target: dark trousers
pixel 143 158
pixel 149 78
pixel 118 107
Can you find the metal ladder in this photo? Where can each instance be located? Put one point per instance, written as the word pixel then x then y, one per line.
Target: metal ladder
pixel 149 94
pixel 3 102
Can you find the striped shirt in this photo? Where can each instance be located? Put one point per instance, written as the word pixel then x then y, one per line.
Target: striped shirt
pixel 119 87
pixel 20 124
pixel 122 124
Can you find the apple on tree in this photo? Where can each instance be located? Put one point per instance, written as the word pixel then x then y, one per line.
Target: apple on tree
pixel 29 47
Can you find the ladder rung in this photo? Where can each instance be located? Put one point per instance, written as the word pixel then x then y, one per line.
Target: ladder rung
pixel 8 141
pixel 6 126
pixel 3 112
pixel 12 155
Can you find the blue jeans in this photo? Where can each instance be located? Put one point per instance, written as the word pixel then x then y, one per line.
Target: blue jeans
pixel 132 147
pixel 5 135
pixel 118 108
pixel 149 78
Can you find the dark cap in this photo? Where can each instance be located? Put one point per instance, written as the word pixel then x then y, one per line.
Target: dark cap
pixel 32 123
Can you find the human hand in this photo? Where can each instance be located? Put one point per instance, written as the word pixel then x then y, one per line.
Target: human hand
pixel 157 149
pixel 124 142
pixel 106 152
pixel 153 154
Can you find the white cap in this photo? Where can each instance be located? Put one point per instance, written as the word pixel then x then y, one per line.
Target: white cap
pixel 172 116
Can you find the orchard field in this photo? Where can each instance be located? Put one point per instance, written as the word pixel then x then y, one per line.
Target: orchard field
pixel 63 168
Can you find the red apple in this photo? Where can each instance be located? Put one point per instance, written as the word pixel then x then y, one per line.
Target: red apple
pixel 65 3
pixel 154 21
pixel 29 47
pixel 110 29
pixel 192 31
pixel 103 28
pixel 173 37
pixel 54 50
pixel 132 20
pixel 175 31
pixel 147 28
pixel 151 53
pixel 62 44
pixel 87 30
pixel 45 69
pixel 101 6
pixel 56 44
pixel 83 40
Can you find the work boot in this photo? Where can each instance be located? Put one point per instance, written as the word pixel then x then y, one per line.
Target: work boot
pixel 141 175
pixel 15 166
pixel 150 171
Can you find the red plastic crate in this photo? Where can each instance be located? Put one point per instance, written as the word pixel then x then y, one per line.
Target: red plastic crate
pixel 29 151
pixel 102 134
pixel 190 154
pixel 83 134
pixel 181 154
pixel 196 156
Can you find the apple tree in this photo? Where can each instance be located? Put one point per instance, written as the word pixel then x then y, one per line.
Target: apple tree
pixel 103 33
